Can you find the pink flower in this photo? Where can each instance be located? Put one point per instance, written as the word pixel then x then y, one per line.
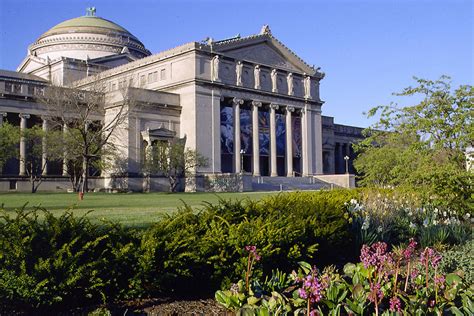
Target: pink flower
pixel 439 281
pixel 253 252
pixel 375 292
pixel 312 287
pixel 410 249
pixel 429 255
pixel 395 304
pixel 376 256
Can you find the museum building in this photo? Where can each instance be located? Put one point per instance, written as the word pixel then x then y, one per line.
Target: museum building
pixel 250 105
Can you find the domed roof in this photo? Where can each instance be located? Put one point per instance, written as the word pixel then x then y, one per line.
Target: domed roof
pixel 87 37
pixel 87 21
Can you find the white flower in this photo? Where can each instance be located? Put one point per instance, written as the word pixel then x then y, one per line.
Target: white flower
pixel 410 213
pixel 444 214
pixel 353 201
pixel 435 222
pixel 467 215
pixel 412 225
pixel 379 229
pixel 436 210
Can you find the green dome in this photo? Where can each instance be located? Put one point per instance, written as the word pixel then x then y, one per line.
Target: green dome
pixel 86 22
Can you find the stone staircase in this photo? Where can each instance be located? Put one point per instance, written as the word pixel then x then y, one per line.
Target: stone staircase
pixel 288 184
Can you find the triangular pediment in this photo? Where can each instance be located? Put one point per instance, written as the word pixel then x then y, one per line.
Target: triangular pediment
pixel 263 49
pixel 30 64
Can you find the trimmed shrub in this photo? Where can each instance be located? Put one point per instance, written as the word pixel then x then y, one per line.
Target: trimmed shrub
pixel 62 262
pixel 195 253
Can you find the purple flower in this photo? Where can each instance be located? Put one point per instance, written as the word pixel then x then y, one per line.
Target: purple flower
pixel 253 252
pixel 439 281
pixel 312 287
pixel 302 293
pixel 376 256
pixel 430 256
pixel 375 292
pixel 410 249
pixel 395 304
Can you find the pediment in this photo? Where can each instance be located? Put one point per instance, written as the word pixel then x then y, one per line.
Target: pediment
pixel 266 50
pixel 30 64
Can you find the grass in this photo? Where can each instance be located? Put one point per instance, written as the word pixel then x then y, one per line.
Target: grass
pixel 130 209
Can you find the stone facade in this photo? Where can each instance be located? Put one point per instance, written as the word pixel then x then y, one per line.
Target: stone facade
pixel 248 104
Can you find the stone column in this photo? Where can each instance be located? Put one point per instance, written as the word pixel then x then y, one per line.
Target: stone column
pixel 23 119
pixel 255 138
pixel 318 142
pixel 307 138
pixel 273 144
pixel 44 155
pixel 65 173
pixel 289 142
pixel 236 107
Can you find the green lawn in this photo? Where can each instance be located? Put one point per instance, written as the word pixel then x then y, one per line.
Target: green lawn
pixel 131 209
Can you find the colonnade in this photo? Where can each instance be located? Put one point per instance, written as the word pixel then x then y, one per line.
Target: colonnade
pixel 45 123
pixel 309 129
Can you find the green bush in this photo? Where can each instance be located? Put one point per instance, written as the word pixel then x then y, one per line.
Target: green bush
pixel 198 252
pixel 60 262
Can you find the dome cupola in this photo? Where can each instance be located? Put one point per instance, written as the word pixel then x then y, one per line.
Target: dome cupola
pixel 87 37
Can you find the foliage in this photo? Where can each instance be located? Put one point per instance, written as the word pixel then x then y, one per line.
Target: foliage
pixel 459 260
pixel 37 142
pixel 9 139
pixel 61 262
pixel 173 160
pixel 400 282
pixel 422 145
pixel 87 140
pixel 197 252
pixel 394 217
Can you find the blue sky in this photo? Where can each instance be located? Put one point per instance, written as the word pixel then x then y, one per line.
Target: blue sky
pixel 368 49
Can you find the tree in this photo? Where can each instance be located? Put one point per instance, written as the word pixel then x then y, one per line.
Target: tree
pixel 421 145
pixel 42 148
pixel 37 142
pixel 88 122
pixel 173 160
pixel 9 139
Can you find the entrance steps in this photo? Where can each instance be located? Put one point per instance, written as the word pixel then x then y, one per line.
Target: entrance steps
pixel 288 184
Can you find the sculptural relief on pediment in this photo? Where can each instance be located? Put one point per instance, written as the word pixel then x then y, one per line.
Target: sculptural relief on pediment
pixel 263 54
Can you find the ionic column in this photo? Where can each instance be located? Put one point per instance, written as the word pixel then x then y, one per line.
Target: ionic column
pixel 65 130
pixel 255 138
pixel 44 155
pixel 273 147
pixel 236 107
pixel 289 142
pixel 23 118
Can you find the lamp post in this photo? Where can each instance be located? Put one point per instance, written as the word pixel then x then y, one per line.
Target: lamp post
pixel 346 158
pixel 242 152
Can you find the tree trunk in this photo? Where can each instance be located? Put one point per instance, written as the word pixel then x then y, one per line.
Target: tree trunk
pixel 173 183
pixel 85 167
